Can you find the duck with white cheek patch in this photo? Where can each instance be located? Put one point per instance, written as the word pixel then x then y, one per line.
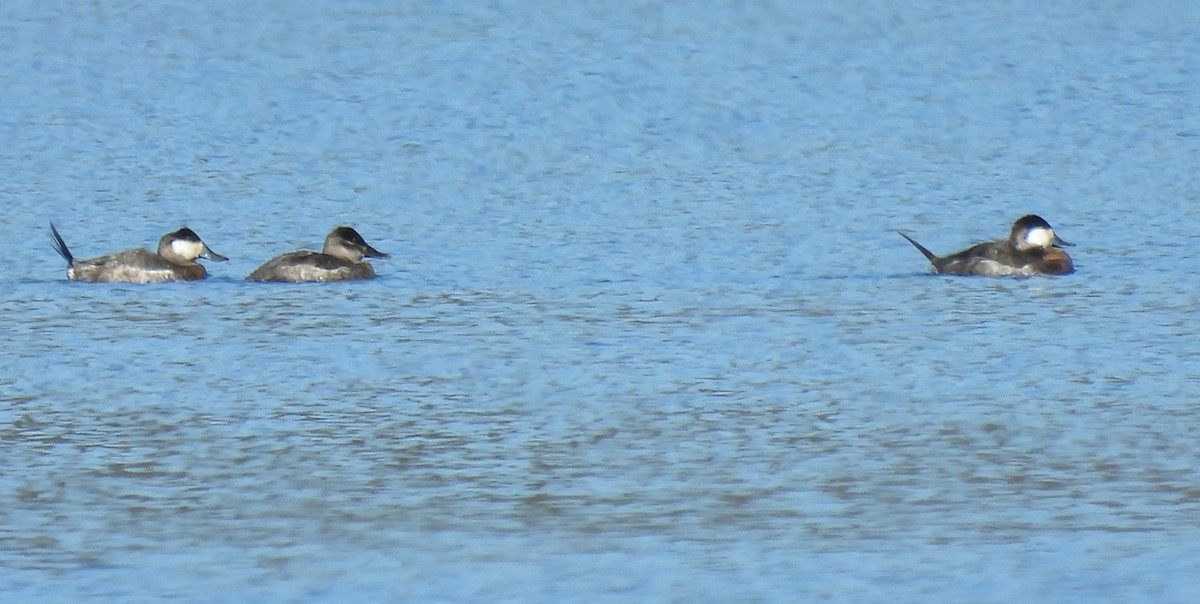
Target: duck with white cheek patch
pixel 1032 248
pixel 175 260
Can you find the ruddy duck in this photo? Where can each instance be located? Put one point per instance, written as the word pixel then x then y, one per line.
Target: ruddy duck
pixel 175 261
pixel 341 259
pixel 1031 249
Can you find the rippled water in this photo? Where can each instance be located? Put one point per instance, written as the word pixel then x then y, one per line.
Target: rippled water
pixel 646 334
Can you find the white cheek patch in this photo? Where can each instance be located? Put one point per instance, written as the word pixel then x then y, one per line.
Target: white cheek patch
pixel 1040 237
pixel 186 249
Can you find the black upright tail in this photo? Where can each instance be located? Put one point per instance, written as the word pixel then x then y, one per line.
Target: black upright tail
pixel 928 254
pixel 60 246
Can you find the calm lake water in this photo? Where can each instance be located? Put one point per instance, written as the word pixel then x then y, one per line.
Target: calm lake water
pixel 646 335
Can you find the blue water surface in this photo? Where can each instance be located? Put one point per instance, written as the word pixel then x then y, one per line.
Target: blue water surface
pixel 646 334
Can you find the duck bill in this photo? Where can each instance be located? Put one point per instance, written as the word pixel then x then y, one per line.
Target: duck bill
pixel 1061 243
pixel 208 254
pixel 371 252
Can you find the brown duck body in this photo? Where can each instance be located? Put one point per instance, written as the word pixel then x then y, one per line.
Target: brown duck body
pixel 306 265
pixel 135 266
pixel 999 259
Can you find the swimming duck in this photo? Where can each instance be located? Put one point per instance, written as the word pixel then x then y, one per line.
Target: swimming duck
pixel 1032 248
pixel 340 259
pixel 174 261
